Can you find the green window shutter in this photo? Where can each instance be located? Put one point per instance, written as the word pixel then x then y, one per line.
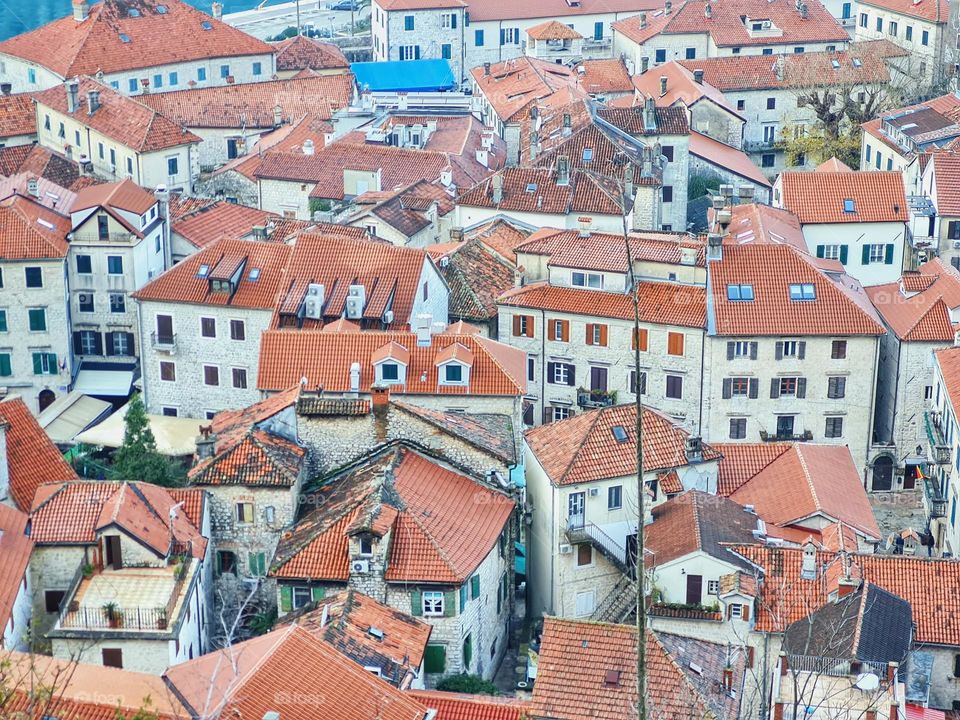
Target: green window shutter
pixel 435 659
pixel 262 563
pixel 5 369
pixel 252 563
pixel 3 320
pixel 449 603
pixel 475 586
pixel 258 564
pixel 51 363
pixel 820 251
pixel 888 255
pixel 463 597
pixel 866 255
pixel 499 599
pixel 37 363
pixel 416 603
pixel 317 593
pixel 467 652
pixel 286 598
pixel 843 254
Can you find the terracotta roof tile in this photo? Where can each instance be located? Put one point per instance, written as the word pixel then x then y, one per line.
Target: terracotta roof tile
pixel 537 190
pixel 833 165
pixel 919 307
pixel 807 480
pixel 661 303
pixel 457 706
pixel 259 459
pixel 30 231
pixel 937 11
pixel 218 220
pixel 509 10
pixel 771 269
pixel 513 84
pixel 948 360
pixel 301 52
pixel 193 501
pixel 231 426
pixel 32 459
pixel 15 548
pixel 939 116
pixel 553 30
pixel 946 170
pixel 325 359
pixel 725 156
pixel 17 115
pixel 755 223
pixel 70 48
pixel 501 236
pixel 276 671
pixel 604 76
pixel 583 448
pixel 39 162
pixel 681 87
pixel 409 209
pixel 476 278
pixel 120 118
pixel 123 195
pixel 742 461
pixel 667 120
pixel 445 522
pixel 251 105
pixel 345 621
pixel 820 197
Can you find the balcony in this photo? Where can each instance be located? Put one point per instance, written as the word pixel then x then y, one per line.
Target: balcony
pixel 933 421
pixel 580 531
pixel 805 436
pixel 933 498
pixel 164 343
pixel 596 398
pixel 110 237
pixel 754 146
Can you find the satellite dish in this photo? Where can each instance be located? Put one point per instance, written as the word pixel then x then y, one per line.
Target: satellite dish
pixel 867 682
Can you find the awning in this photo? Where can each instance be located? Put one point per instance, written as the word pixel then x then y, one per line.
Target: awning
pixel 175 436
pixel 404 76
pixel 71 414
pixel 112 383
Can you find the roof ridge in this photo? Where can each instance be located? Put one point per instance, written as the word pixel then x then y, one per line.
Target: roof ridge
pixel 696 521
pixel 806 474
pixel 861 611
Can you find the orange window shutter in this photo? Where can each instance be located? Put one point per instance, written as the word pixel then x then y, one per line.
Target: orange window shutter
pixel 565 330
pixel 603 335
pixel 589 334
pixel 642 338
pixel 552 330
pixel 746 613
pixel 530 332
pixel 516 325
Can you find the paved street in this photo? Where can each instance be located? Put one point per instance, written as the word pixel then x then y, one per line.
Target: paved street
pixel 274 19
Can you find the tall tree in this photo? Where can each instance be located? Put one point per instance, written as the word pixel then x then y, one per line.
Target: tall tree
pixel 138 458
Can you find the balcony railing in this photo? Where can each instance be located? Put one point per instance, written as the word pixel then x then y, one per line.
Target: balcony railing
pixel 95 237
pixel 164 343
pixel 596 398
pixel 837 667
pixel 88 618
pixel 579 531
pixel 805 436
pixel 936 503
pixel 938 440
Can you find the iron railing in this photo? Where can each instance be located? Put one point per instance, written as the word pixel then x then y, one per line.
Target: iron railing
pixel 579 531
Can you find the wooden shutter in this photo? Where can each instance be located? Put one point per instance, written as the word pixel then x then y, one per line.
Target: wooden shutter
pixel 416 603
pixel 77 345
pixel 731 349
pixel 98 344
pixel 551 369
pixel 753 351
pixel 865 256
pixel 843 254
pixel 754 391
pixel 801 387
pixel 475 586
pixel 108 342
pixel 801 349
pixel 551 330
pixel 603 335
pixel 565 330
pixel 820 251
pixel 745 613
pixel 589 338
pixel 317 593
pixel 779 352
pixel 888 255
pixel 516 326
pixel 727 388
pixel 449 603
pixel 675 343
pixel 750 652
pixel 530 327
pixel 5 369
pixel 571 375
pixel 775 388
pixel 37 363
pixel 463 596
pixel 286 598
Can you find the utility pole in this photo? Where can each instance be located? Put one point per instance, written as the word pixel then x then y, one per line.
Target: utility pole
pixel 298 17
pixel 621 160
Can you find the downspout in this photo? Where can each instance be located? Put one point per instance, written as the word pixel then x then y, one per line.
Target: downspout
pixel 873 407
pixel 543 364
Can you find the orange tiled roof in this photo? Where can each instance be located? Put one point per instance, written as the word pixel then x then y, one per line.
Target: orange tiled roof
pixel 251 105
pixel 459 706
pixel 278 672
pixel 345 620
pixel 40 162
pixel 946 170
pixel 819 197
pixel 583 449
pixel 476 276
pixel 122 195
pixel 193 502
pixel 553 30
pixel 725 156
pixel 512 84
pixel 604 76
pixel 939 113
pixel 70 48
pixel 807 480
pixel 17 115
pixel 120 118
pixel 937 11
pixel 756 223
pixel 301 53
pixel 442 523
pixel 501 236
pixel 259 459
pixel 681 87
pixel 15 548
pixel 230 426
pixel 527 189
pixel 408 209
pixel 510 10
pixel 948 360
pixel 30 231
pixel 32 458
pixel 918 308
pixel 661 303
pixel 607 252
pixel 834 164
pixel 218 220
pixel 838 309
pixel 742 461
pixel 325 359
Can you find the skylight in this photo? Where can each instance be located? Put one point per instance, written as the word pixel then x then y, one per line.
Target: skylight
pixel 857 62
pixel 740 293
pixel 619 434
pixel 162 9
pixel 45 223
pixel 202 272
pixel 532 188
pixel 587 154
pixel 206 25
pixel 133 12
pixel 836 64
pixel 803 291
pixel 848 205
pixel 124 38
pixel 254 274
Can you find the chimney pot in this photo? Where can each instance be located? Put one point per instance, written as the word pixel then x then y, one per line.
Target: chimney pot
pixel 93 101
pixel 698 76
pixel 81 10
pixel 663 85
pixel 380 395
pixel 643 20
pixel 217 11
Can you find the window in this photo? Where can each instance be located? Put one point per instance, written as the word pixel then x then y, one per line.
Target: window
pixel 614 497
pixel 211 375
pixel 849 206
pixel 831 252
pixel 390 372
pixel 803 291
pixel 892 28
pixel 596 334
pixel 767 51
pixel 834 427
pixel 432 603
pixel 523 326
pixel 925 37
pixel 584 554
pixel 121 343
pixel 736 611
pixel 790 348
pixel 132 85
pixel 836 387
pixel 89 340
pixel 446 51
pixel 741 349
pixel 634 379
pixel 257 68
pixel 158 80
pixel 301 596
pixel 478 38
pixel 879 24
pixel 560 373
pixel 115 264
pixel 245 512
pixel 675 343
pixel 798 50
pixel 771 103
pixel 112 657
pixel 52 599
pixel 38 319
pixel 838 350
pixel 453 373
pixel 559 413
pixel 788 385
pixel 713 587
pixel 257 564
pixel 598 31
pixel 591 280
pixel 769 133
pixel 739 387
pixel 738 428
pixel 172 166
pixel 909 33
pixel 85 302
pixel 863 20
pixel 118 303
pixel 768 160
pixel 448 20
pixel 467 652
pixel 690 53
pixel 741 105
pixel 201 74
pixel 208 327
pixel 875 253
pixel 224 71
pixel 740 292
pixel 173 79
pixel 237 330
pixel 667 152
pixel 31 76
pixel 44 363
pixel 660 56
pixel 666 193
pixel 169 411
pixel 3 321
pixel 168 371
pixel 239 378
pixel 84 264
pixel 674 387
pixel 33 277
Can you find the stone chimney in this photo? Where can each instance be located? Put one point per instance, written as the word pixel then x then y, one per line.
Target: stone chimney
pixel 380 405
pixel 649 115
pixel 497 182
pixel 81 10
pixel 456 234
pixel 892 668
pixel 563 170
pixel 698 76
pixel 73 91
pixel 663 85
pixel 667 7
pixel 93 101
pixel 4 463
pixel 205 442
pixel 708 11
pixel 643 19
pixel 277 116
pixel 217 11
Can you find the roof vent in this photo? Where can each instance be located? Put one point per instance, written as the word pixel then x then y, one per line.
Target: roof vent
pixel 376 632
pixel 611 678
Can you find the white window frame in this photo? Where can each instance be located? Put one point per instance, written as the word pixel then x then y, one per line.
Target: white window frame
pixel 561 373
pixel 299 590
pixel 736 387
pixel 122 339
pixel 878 253
pixel 736 611
pixel 203 375
pixel 741 348
pixel 791 348
pixel 594 281
pixel 407 52
pixel 559 413
pixel 713 587
pixel 160 370
pixel 831 252
pixel 464 374
pixel 88 348
pixel 432 603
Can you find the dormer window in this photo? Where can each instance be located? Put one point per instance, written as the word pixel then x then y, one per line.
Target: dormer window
pixel 588 280
pixel 390 364
pixel 453 365
pixel 740 293
pixel 390 372
pixel 453 374
pixel 203 271
pixel 366 545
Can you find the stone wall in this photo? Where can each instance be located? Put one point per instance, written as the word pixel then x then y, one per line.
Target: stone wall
pixel 230 185
pixel 51 568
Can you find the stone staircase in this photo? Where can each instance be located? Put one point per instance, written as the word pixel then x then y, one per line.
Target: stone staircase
pixel 619 604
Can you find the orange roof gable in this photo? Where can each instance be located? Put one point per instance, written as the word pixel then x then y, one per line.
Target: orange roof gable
pixel 824 197
pixel 30 231
pixel 15 549
pixel 459 706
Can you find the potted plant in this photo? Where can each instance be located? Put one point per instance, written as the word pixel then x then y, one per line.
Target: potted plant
pixel 87 570
pixel 112 612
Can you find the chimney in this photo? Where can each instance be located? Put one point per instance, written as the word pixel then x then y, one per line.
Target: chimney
pixel 93 101
pixel 205 442
pixel 563 170
pixel 355 379
pixel 698 76
pixel 778 67
pixel 277 116
pixel 727 671
pixel 584 223
pixel 6 88
pixel 694 449
pixel 4 463
pixel 33 187
pixel 456 234
pixel 534 144
pixel 497 182
pixel 644 64
pixel 380 397
pixel 217 11
pixel 643 20
pixel 804 11
pixel 649 115
pixel 667 7
pixel 783 664
pixel 81 10
pixel 663 85
pixel 892 672
pixel 745 194
pixel 145 86
pixel 73 91
pixel 486 69
pixel 628 173
pixel 708 11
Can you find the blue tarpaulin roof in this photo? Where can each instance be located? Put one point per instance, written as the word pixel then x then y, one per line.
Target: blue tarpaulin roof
pixel 404 76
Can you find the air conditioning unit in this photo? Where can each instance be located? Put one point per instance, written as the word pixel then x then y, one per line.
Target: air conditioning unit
pixel 387 317
pixel 956 244
pixel 360 567
pixel 594 492
pixel 566 549
pixel 313 301
pixel 354 308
